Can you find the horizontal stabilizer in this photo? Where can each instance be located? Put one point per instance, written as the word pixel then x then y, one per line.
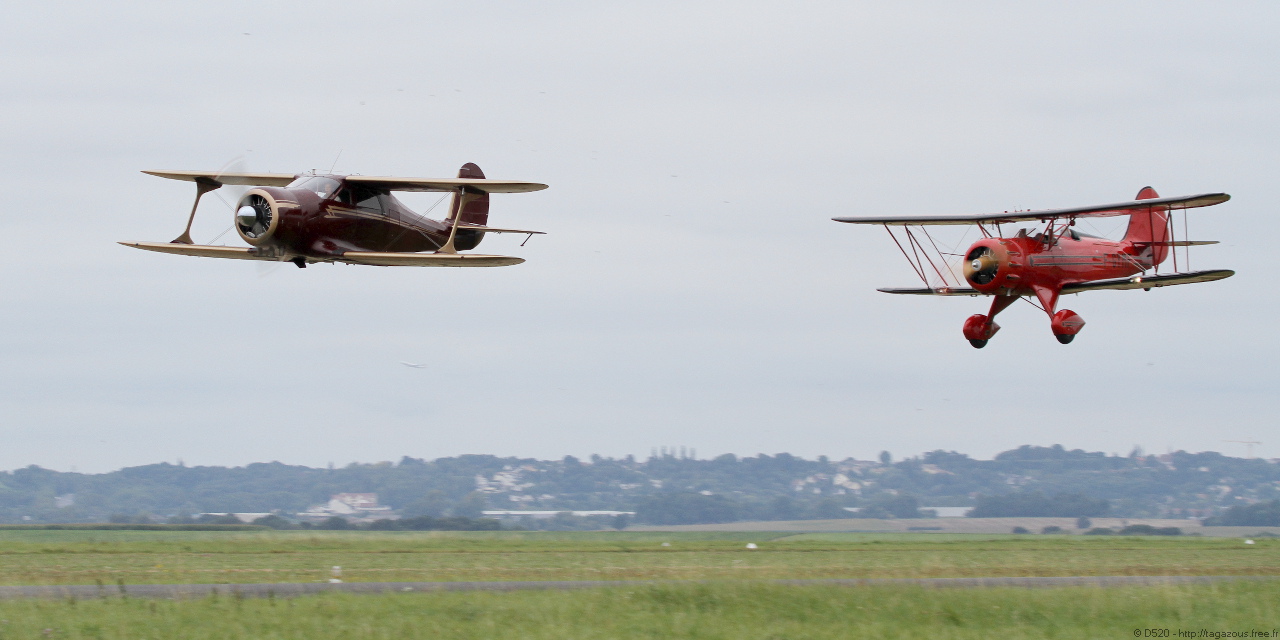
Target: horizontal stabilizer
pixel 475 227
pixel 1148 282
pixel 391 259
pixel 201 250
pixel 251 179
pixel 1177 243
pixel 942 291
pixel 1114 209
pixel 446 184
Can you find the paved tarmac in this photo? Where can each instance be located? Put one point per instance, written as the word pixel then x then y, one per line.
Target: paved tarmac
pixel 293 589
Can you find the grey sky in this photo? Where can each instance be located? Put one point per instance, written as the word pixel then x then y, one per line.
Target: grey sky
pixel 692 289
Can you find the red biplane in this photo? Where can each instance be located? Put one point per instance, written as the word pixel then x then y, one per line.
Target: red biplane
pixel 1059 259
pixel 353 219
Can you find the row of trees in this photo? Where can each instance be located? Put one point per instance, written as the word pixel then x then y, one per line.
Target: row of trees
pixel 1264 514
pixel 1034 504
pixel 771 487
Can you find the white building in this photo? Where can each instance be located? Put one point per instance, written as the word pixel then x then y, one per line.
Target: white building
pixel 359 507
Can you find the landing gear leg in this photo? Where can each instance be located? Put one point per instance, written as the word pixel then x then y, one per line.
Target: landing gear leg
pixel 978 329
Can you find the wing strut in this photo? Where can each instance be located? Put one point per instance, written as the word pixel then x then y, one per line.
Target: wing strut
pixel 925 252
pixel 914 267
pixel 203 186
pixel 459 204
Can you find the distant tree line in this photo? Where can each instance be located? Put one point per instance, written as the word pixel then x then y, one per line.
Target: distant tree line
pixel 420 523
pixel 696 508
pixel 1263 514
pixel 1026 481
pixel 1034 504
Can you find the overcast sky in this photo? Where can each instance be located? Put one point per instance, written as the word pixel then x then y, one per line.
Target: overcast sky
pixel 691 290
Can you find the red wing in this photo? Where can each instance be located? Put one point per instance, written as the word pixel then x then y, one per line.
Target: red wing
pixel 1149 282
pixel 941 291
pixel 1114 209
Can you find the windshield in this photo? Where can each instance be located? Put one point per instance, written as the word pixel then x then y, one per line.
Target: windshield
pixel 323 187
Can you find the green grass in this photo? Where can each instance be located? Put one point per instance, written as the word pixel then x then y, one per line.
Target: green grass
pixel 718 610
pixel 136 557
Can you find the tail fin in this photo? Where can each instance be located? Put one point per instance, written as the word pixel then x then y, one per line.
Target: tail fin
pixel 474 207
pixel 469 207
pixel 1150 226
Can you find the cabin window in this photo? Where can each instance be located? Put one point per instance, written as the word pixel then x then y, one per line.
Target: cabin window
pixel 363 198
pixel 322 187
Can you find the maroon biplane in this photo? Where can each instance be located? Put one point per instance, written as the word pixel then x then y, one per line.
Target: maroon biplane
pixel 1059 259
pixel 353 219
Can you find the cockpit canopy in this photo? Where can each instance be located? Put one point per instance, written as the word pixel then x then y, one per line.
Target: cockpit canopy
pixel 321 186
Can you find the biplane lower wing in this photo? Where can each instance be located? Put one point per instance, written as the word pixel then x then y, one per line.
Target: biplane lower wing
pixel 1136 282
pixel 374 258
pixel 388 259
pixel 200 250
pixel 1114 209
pixel 1148 282
pixel 943 291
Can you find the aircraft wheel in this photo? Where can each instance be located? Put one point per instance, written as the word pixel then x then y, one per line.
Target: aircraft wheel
pixel 1065 338
pixel 978 344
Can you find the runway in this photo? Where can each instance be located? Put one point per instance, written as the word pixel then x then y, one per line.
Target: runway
pixel 294 589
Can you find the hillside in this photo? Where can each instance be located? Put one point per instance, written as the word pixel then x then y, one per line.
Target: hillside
pixel 763 487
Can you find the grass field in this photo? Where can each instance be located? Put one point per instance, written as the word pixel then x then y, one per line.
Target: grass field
pixel 137 557
pixel 716 610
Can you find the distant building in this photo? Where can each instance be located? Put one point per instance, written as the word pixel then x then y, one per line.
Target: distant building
pixel 357 507
pixel 941 512
pixel 949 512
pixel 246 518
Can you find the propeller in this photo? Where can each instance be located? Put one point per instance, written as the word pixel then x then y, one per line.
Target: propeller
pixel 230 194
pixel 981 265
pixel 254 216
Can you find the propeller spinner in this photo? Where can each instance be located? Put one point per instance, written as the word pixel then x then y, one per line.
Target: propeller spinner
pixel 981 265
pixel 254 216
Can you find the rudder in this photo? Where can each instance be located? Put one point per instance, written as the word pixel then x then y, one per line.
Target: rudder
pixel 469 207
pixel 475 207
pixel 1151 226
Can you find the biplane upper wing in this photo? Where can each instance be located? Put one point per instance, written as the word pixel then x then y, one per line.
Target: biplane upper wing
pixel 252 179
pixel 1114 209
pixel 1148 282
pixel 447 184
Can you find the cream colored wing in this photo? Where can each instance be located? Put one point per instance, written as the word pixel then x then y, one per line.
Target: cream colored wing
pixel 446 184
pixel 253 179
pixel 201 250
pixel 387 259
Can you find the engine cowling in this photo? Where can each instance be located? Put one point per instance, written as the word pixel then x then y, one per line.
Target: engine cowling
pixel 257 217
pixel 992 265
